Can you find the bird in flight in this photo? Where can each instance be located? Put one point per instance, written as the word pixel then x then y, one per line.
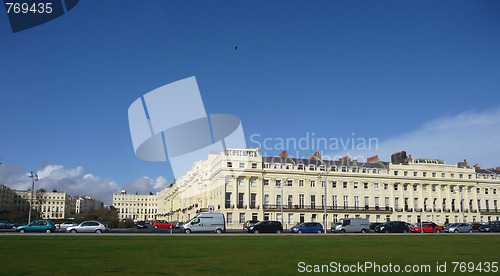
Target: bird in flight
pixel 235 48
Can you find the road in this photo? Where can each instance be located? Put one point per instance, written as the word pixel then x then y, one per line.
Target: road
pixel 231 232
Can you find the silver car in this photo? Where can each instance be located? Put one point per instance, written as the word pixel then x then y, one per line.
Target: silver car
pixel 335 226
pixel 88 227
pixel 458 228
pixel 63 226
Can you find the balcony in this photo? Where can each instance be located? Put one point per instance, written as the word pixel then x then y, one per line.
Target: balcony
pixel 329 208
pixel 490 211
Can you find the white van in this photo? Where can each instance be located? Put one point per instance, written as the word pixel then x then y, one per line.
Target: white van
pixel 353 225
pixel 205 222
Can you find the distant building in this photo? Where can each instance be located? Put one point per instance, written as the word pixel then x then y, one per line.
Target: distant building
pixel 134 206
pixel 11 204
pixel 6 199
pixel 15 204
pixel 48 205
pixel 85 204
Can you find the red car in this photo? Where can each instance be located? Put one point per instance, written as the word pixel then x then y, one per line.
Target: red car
pixel 162 224
pixel 427 227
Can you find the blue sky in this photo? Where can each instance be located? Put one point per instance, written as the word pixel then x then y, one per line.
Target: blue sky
pixel 417 75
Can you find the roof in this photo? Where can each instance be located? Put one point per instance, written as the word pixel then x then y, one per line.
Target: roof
pixel 483 171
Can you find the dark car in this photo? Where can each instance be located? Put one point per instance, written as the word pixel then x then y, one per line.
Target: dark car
pixel 266 227
pixel 393 227
pixel 140 225
pixel 249 223
pixel 308 227
pixel 476 226
pixel 8 224
pixel 492 226
pixel 374 224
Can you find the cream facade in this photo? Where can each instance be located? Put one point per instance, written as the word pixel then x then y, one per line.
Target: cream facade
pixel 244 185
pixel 12 204
pixel 49 205
pixel 84 204
pixel 46 205
pixel 135 207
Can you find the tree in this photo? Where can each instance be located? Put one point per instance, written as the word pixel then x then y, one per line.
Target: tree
pixel 40 198
pixel 108 215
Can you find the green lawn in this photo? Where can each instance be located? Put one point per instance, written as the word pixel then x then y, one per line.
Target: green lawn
pixel 234 255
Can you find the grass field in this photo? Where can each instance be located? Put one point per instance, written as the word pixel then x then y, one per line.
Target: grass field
pixel 235 255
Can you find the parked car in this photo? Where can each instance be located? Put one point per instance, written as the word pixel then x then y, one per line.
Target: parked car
pixel 266 227
pixel 140 224
pixel 205 222
pixel 458 228
pixel 393 227
pixel 353 225
pixel 427 227
pixel 65 225
pixel 476 226
pixel 249 223
pixel 335 226
pixel 492 226
pixel 91 226
pixel 374 224
pixel 8 224
pixel 46 226
pixel 178 224
pixel 308 227
pixel 162 224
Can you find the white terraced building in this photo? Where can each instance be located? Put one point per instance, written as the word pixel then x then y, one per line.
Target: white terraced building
pixel 243 185
pixel 134 206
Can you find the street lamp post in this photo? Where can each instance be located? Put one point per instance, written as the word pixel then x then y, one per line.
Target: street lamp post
pixel 34 177
pixel 324 200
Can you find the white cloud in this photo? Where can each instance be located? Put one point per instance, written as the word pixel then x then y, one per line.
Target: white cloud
pixel 64 180
pixel 469 135
pixel 55 172
pixel 145 185
pixel 75 181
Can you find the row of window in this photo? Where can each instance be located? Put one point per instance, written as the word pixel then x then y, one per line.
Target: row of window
pixel 241 153
pixel 136 211
pixel 241 165
pixel 444 205
pixel 133 204
pixel 322 168
pixel 54 209
pixel 312 202
pixel 313 167
pixel 53 215
pixel 433 174
pixel 134 199
pixel 356 185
